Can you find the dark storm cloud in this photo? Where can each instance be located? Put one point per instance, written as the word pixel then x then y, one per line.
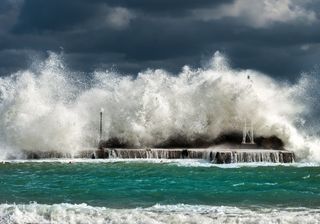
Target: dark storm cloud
pixel 131 36
pixel 52 15
pixel 166 7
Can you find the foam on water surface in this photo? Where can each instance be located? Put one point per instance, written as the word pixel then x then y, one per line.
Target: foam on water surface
pixel 173 162
pixel 180 213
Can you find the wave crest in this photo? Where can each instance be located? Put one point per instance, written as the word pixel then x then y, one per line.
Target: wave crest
pixel 50 108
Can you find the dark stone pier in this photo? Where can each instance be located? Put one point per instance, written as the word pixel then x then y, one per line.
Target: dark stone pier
pixel 213 155
pixel 219 156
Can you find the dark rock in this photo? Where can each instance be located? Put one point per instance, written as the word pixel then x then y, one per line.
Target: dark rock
pixel 33 155
pixel 211 156
pixel 223 157
pixel 102 154
pixel 185 153
pixel 113 143
pixel 183 141
pixel 272 142
pixel 233 138
pixel 287 157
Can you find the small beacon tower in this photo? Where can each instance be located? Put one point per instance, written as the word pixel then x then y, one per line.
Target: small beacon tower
pixel 100 128
pixel 247 134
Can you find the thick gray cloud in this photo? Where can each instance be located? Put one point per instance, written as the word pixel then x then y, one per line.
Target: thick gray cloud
pixel 260 13
pixel 280 38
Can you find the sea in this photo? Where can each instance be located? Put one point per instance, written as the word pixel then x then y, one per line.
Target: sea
pixel 157 191
pixel 54 110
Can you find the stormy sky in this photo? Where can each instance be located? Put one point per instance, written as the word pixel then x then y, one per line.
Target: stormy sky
pixel 278 37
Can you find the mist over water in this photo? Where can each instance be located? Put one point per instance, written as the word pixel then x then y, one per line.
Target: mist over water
pixel 49 108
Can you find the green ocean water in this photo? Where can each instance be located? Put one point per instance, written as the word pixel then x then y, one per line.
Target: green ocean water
pixel 126 185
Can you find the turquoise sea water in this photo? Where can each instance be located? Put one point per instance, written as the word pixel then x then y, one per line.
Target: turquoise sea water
pixel 202 190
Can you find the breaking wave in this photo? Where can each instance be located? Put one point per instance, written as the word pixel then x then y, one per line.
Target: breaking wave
pixel 82 213
pixel 50 108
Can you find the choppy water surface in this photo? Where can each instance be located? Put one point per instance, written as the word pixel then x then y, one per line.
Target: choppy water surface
pixel 147 192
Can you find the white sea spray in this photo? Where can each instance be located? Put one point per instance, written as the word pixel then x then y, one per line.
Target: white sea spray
pixel 46 109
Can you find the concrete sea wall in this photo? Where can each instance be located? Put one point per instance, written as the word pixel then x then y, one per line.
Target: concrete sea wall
pixel 218 156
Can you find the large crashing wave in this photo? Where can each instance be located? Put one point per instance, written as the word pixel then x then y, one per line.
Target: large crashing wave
pixel 50 108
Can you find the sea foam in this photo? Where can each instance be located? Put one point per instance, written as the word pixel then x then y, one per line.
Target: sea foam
pixel 164 162
pixel 180 213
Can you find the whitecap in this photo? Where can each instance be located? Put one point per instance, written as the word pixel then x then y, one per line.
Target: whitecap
pixel 180 213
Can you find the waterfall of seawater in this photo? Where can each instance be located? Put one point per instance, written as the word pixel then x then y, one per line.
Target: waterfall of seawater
pixel 261 156
pixel 214 156
pixel 211 155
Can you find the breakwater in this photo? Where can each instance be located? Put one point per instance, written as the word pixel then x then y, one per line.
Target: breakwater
pixel 213 155
pixel 218 156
